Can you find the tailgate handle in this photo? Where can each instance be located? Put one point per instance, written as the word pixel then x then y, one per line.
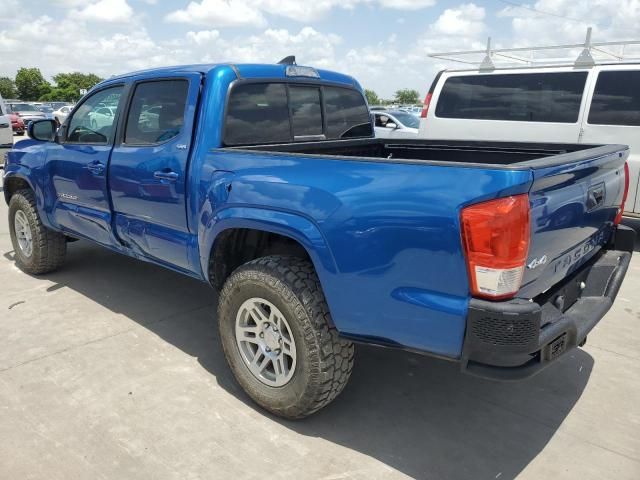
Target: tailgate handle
pixel 596 197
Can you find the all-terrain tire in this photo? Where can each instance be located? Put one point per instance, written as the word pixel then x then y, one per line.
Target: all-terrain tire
pixel 324 360
pixel 49 247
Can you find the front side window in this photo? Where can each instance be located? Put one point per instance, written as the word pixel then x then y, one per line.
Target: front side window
pixel 157 112
pixel 94 121
pixel 528 97
pixel 616 99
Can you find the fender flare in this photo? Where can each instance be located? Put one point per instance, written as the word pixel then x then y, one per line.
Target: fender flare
pixel 297 227
pixel 17 172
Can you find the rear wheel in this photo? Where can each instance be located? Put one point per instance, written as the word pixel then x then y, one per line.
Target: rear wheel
pixel 37 249
pixel 278 338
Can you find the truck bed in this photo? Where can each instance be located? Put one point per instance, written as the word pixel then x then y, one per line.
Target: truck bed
pixel 471 153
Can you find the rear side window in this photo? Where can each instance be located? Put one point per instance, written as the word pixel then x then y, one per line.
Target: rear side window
pixel 157 112
pixel 347 113
pixel 257 113
pixel 616 99
pixel 306 112
pixel 529 97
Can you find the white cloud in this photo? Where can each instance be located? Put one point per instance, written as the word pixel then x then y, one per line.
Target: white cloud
pixel 467 19
pixel 407 4
pixel 225 13
pixel 310 46
pixel 219 13
pixel 203 36
pixel 113 11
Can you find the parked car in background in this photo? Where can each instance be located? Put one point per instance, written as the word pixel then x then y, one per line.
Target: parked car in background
pixel 412 109
pixel 374 108
pixel 27 111
pixel 566 104
pixel 59 105
pixel 47 110
pixel 101 117
pixel 17 124
pixel 61 114
pixel 396 124
pixel 6 133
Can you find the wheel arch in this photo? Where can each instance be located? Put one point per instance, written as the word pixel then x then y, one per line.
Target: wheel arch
pixel 293 234
pixel 13 182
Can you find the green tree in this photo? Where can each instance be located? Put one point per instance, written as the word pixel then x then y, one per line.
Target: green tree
pixel 407 96
pixel 372 97
pixel 68 86
pixel 30 84
pixel 7 88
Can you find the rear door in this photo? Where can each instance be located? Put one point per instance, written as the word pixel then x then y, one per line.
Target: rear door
pixel 529 106
pixel 613 117
pixel 148 169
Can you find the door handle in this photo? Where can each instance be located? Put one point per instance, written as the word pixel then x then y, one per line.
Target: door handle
pixel 166 175
pixel 95 167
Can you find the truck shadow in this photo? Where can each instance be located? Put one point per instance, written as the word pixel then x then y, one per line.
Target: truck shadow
pixel 417 415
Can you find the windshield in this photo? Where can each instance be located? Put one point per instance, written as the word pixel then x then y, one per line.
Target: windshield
pixel 407 119
pixel 46 109
pixel 23 107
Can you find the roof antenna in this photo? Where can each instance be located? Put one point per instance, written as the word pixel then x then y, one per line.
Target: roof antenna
pixel 290 60
pixel 487 62
pixel 585 59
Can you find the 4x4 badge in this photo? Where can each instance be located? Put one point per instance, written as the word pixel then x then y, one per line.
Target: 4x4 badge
pixel 537 262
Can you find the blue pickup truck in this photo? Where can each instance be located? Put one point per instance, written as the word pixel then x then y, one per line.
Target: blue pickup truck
pixel 267 182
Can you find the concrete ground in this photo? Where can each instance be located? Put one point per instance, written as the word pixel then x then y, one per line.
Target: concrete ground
pixel 111 368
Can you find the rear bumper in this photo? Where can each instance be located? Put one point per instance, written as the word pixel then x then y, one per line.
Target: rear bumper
pixel 518 338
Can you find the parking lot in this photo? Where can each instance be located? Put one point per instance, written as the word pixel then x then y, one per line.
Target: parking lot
pixel 111 368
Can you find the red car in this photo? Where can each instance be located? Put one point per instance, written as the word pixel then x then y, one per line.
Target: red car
pixel 17 124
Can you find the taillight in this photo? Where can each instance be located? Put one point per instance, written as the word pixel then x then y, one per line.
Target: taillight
pixel 495 235
pixel 618 218
pixel 425 107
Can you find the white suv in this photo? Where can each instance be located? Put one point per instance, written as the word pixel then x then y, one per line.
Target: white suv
pixel 6 132
pixel 598 105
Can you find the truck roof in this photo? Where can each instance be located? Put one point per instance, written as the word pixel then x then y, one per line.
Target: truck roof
pixel 242 70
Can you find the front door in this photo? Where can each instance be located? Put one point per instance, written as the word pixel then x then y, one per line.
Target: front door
pixel 148 169
pixel 77 166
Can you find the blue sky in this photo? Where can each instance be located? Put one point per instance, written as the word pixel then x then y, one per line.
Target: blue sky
pixel 383 43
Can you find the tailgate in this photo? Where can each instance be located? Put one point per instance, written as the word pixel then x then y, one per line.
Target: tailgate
pixel 574 200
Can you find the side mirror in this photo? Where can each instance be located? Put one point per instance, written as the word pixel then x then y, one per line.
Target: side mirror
pixel 43 130
pixel 391 125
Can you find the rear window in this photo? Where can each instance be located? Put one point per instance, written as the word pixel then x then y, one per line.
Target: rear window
pixel 347 113
pixel 616 99
pixel 306 111
pixel 529 97
pixel 279 113
pixel 257 113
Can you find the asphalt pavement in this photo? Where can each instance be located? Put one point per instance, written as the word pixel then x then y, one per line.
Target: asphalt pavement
pixel 111 368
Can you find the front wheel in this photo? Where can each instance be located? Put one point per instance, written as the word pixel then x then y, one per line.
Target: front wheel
pixel 278 339
pixel 37 249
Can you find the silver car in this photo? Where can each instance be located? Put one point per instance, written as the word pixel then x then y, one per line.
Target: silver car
pixel 26 111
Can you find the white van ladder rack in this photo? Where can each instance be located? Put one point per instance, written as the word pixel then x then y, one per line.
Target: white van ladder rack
pixel 592 53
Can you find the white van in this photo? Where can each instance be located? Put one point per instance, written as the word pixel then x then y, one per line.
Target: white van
pixel 598 104
pixel 6 132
